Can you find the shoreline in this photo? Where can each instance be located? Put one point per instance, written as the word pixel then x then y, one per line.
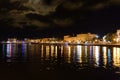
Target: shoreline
pixel 65 43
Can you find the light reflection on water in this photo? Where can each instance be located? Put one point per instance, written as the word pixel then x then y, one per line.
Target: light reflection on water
pixel 86 55
pixel 116 56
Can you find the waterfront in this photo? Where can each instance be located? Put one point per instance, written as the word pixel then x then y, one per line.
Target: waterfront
pixel 36 61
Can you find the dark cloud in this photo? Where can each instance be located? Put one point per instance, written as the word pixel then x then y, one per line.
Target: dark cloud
pixel 42 7
pixel 115 1
pixel 63 22
pixel 70 15
pixel 38 17
pixel 73 6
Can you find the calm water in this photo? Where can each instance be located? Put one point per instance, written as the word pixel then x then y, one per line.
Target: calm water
pixel 52 57
pixel 95 56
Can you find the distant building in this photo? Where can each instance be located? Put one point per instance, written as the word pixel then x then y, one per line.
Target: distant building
pixel 115 37
pixel 12 39
pixel 32 40
pixel 43 40
pixel 80 37
pixel 118 35
pixel 49 39
pixel 69 38
pixel 86 37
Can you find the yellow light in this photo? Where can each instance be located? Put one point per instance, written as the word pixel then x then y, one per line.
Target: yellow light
pixel 52 50
pixel 116 56
pixel 96 54
pixel 79 53
pixel 105 55
pixel 69 54
pixel 56 51
pixel 61 49
pixel 47 52
pixel 42 52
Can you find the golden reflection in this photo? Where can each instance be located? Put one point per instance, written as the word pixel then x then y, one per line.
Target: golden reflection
pixel 47 52
pixel 52 51
pixel 105 55
pixel 79 53
pixel 56 51
pixel 69 54
pixel 61 49
pixel 96 54
pixel 116 56
pixel 42 51
pixel 86 52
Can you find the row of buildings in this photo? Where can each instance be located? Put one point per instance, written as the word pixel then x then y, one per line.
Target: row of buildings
pixel 86 37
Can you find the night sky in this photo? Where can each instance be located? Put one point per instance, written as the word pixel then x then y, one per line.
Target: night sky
pixel 55 18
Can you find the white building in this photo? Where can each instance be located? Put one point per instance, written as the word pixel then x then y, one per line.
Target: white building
pixel 118 35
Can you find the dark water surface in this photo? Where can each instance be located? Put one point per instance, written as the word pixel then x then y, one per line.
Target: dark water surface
pixel 59 62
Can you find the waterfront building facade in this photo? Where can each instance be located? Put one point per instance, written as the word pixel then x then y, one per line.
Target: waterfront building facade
pixel 118 35
pixel 80 37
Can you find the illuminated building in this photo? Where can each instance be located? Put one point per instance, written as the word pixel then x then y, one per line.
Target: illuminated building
pixel 69 38
pixel 80 37
pixel 86 37
pixel 118 35
pixel 41 40
pixel 14 40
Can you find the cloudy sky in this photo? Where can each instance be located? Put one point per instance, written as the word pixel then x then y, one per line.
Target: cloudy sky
pixel 46 18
